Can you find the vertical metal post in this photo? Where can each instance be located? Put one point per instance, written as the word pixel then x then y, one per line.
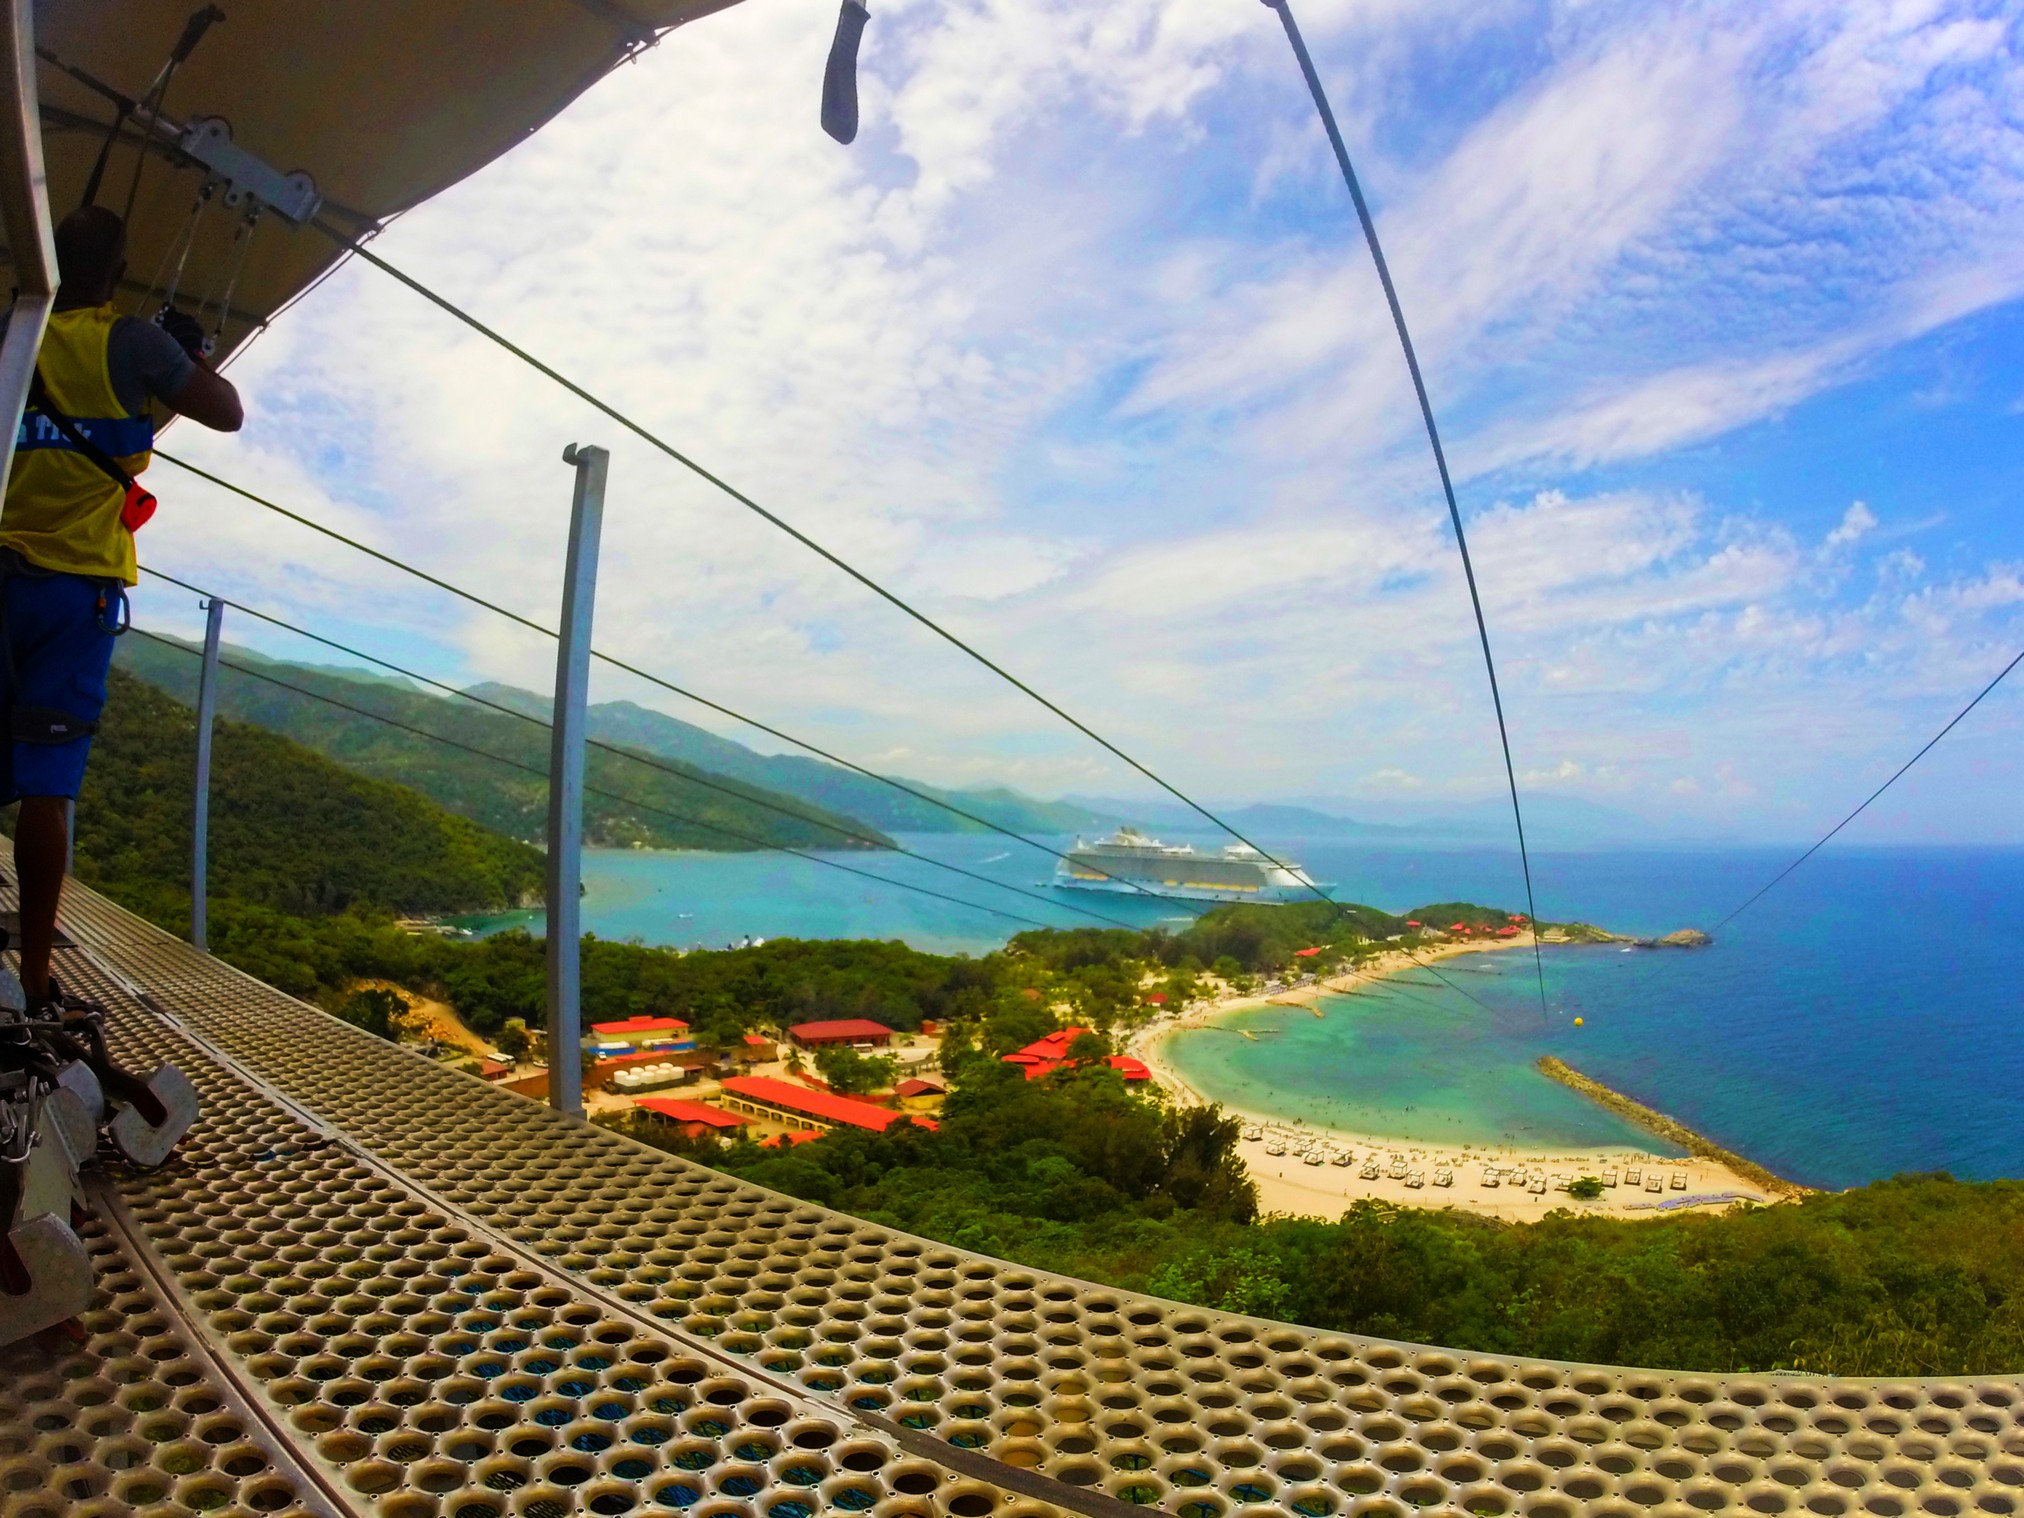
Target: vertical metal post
pixel 200 832
pixel 565 783
pixel 24 215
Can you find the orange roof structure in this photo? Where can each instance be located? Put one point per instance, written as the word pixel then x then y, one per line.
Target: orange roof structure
pixel 841 1030
pixel 823 1106
pixel 1305 953
pixel 676 1110
pixel 1046 1055
pixel 640 1025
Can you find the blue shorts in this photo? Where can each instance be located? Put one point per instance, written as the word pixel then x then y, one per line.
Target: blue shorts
pixel 57 652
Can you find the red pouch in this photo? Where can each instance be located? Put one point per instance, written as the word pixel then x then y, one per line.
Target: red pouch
pixel 137 508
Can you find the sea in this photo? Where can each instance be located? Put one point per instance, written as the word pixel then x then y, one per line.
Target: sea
pixel 1863 1018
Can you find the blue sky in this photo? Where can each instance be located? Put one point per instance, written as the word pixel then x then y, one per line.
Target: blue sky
pixel 1079 346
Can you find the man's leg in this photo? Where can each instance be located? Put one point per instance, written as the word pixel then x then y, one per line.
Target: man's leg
pixel 41 849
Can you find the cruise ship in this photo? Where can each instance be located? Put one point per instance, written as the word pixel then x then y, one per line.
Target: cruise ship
pixel 1129 861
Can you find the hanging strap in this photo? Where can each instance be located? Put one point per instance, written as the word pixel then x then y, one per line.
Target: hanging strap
pixel 140 503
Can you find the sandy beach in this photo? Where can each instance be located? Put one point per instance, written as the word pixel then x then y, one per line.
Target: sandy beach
pixel 1290 1183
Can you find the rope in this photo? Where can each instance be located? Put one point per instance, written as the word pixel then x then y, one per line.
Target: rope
pixel 643 760
pixel 1766 888
pixel 1440 458
pixel 588 790
pixel 799 536
pixel 632 669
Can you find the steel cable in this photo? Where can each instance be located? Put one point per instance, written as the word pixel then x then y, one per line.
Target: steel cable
pixel 1433 437
pixel 588 790
pixel 645 761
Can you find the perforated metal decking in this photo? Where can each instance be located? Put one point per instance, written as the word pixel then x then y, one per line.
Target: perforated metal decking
pixel 371 1285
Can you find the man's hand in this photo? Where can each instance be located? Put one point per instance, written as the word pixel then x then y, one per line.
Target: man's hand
pixel 185 329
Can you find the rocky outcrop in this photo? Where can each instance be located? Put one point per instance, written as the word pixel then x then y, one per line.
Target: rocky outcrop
pixel 1685 938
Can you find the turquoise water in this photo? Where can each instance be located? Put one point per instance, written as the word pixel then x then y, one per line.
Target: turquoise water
pixel 1863 1019
pixel 1441 1070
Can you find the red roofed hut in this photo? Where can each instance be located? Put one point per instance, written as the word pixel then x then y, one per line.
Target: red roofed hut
pixel 859 1032
pixel 763 1096
pixel 691 1118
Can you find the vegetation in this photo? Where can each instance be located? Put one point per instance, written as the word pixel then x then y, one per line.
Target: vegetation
pixel 507 800
pixel 1074 1172
pixel 849 1073
pixel 290 830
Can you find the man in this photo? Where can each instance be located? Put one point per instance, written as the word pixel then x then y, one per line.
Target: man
pixel 67 542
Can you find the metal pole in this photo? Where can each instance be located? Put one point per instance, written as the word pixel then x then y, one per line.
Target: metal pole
pixel 24 214
pixel 565 783
pixel 200 832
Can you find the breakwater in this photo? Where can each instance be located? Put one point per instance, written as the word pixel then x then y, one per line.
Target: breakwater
pixel 1671 1129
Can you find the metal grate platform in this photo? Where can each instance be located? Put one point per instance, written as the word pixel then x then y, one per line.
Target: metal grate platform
pixel 414 1294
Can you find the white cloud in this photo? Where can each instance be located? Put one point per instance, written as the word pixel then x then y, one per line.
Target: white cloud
pixel 1079 348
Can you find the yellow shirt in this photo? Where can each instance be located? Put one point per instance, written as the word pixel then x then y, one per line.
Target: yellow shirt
pixel 62 511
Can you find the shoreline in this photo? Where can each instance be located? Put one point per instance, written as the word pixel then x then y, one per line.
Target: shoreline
pixel 1287 1184
pixel 1668 1128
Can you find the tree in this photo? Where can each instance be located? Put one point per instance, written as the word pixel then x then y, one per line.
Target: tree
pixel 379 1011
pixel 849 1073
pixel 1587 1189
pixel 514 1039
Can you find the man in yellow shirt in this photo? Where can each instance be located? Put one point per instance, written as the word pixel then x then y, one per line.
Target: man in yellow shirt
pixel 67 541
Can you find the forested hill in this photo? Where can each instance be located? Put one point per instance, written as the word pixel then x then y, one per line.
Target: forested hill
pixel 816 781
pixel 289 828
pixel 691 809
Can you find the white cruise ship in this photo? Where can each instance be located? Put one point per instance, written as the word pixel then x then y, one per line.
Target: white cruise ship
pixel 1130 862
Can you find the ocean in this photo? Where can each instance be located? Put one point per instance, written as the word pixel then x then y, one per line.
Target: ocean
pixel 1863 1019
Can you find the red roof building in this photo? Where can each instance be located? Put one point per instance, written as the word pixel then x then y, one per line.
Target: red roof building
pixel 693 1118
pixel 1045 1055
pixel 764 1096
pixel 915 1086
pixel 1507 932
pixel 860 1031
pixel 1305 953
pixel 632 1025
pixel 1410 923
pixel 790 1140
pixel 1157 999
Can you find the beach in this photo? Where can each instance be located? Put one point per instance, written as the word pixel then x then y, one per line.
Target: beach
pixel 1289 1184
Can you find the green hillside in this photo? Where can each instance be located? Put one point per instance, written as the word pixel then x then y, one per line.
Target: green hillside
pixel 506 800
pixel 289 829
pixel 815 780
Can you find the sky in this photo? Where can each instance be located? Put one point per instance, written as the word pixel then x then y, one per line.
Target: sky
pixel 1078 348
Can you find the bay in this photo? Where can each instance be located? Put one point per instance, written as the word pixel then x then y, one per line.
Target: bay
pixel 1860 1020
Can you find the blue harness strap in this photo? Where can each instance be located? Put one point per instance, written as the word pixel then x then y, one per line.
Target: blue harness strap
pixel 118 437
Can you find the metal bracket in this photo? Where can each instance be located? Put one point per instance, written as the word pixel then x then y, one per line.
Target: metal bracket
pixel 291 196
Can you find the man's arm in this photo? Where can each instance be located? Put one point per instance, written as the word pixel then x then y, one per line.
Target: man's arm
pixel 208 399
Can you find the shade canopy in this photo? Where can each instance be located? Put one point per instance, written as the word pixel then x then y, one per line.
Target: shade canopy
pixel 383 103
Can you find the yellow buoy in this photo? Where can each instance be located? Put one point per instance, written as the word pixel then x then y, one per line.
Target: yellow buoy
pixel 1577 1022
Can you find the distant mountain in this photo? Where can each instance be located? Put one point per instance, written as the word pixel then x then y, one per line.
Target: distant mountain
pixel 812 780
pixel 290 829
pixel 691 808
pixel 1552 821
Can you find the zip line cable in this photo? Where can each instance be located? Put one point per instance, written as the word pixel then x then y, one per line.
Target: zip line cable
pixel 1398 315
pixel 442 302
pixel 1765 889
pixel 588 789
pixel 654 441
pixel 640 759
pixel 652 679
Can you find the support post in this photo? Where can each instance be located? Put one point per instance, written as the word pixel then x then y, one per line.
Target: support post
pixel 200 832
pixel 565 783
pixel 24 216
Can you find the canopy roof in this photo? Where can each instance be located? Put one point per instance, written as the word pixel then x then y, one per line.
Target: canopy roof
pixel 383 103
